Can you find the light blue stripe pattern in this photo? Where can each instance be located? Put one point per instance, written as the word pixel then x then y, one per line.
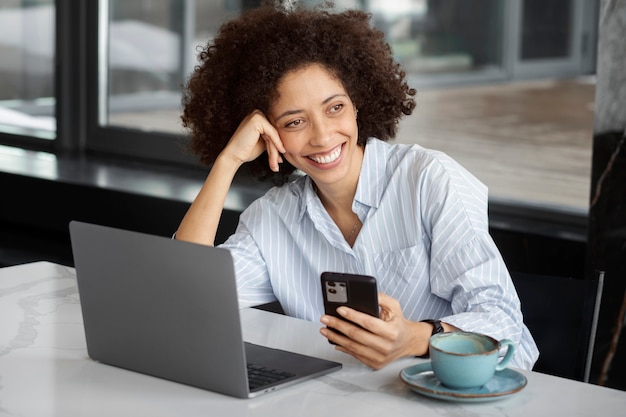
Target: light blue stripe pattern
pixel 424 237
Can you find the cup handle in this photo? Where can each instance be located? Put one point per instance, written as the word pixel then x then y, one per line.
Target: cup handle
pixel 418 369
pixel 508 356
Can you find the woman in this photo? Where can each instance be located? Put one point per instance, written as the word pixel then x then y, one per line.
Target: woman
pixel 320 92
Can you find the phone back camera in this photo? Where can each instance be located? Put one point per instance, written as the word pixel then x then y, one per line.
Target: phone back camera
pixel 336 292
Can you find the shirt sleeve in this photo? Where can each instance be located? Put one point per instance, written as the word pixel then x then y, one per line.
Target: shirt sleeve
pixel 466 266
pixel 253 282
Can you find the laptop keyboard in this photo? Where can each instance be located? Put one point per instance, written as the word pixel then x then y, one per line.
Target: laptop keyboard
pixel 259 376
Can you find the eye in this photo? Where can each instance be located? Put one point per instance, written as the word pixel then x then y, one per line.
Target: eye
pixel 336 108
pixel 294 123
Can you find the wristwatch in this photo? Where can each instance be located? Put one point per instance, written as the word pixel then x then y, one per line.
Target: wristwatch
pixel 437 327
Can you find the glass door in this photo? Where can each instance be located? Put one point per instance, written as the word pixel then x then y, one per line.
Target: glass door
pixel 551 37
pixel 27 68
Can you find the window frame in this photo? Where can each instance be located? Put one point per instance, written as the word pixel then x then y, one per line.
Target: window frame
pixel 156 146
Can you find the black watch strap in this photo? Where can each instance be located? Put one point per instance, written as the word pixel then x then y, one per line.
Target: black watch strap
pixel 437 327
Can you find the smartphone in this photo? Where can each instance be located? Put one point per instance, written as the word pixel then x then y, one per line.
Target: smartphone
pixel 352 290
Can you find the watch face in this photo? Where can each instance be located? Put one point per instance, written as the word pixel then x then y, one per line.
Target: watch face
pixel 438 328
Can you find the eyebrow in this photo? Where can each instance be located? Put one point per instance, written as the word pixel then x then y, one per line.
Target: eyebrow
pixel 296 111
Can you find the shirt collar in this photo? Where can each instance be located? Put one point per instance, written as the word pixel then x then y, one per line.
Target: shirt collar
pixel 371 185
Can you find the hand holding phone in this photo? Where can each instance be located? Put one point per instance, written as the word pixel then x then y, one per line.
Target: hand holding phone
pixel 358 292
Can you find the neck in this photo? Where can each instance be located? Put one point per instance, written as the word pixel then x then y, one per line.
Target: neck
pixel 338 205
pixel 334 201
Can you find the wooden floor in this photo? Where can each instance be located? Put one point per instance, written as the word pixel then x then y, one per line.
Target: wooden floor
pixel 528 141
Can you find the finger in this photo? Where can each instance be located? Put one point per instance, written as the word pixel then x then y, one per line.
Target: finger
pixel 367 347
pixel 339 330
pixel 270 134
pixel 274 155
pixel 366 354
pixel 386 328
pixel 356 334
pixel 247 143
pixel 366 321
pixel 388 302
pixel 273 144
pixel 390 308
pixel 331 335
pixel 347 344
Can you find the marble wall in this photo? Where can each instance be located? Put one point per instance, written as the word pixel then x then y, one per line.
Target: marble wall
pixel 607 219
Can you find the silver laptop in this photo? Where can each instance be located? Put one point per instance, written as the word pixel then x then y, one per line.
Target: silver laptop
pixel 169 309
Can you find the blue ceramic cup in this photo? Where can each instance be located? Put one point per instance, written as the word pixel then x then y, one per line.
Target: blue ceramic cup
pixel 462 360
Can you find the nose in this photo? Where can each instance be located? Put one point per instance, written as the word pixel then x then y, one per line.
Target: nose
pixel 321 131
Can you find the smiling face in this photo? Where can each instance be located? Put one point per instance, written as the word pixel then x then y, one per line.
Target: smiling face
pixel 316 121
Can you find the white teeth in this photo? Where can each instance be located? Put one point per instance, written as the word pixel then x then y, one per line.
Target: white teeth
pixel 328 158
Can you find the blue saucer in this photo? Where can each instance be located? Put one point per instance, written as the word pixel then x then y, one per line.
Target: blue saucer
pixel 422 380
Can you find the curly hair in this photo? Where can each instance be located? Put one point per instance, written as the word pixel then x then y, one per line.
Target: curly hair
pixel 239 71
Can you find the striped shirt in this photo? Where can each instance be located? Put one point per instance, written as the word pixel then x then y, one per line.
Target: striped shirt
pixel 424 237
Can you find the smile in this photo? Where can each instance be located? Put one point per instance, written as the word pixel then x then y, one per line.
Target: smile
pixel 327 159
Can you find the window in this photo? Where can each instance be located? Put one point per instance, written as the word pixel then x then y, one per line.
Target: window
pixel 546 29
pixel 27 55
pixel 443 37
pixel 151 47
pixel 485 84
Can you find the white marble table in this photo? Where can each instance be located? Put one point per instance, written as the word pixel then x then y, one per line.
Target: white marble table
pixel 45 371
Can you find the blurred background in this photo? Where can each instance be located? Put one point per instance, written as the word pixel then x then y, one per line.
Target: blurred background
pixel 505 87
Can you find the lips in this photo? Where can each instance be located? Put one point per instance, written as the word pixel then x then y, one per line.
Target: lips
pixel 329 158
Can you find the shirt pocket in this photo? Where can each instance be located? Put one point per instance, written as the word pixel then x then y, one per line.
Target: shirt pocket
pixel 398 268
